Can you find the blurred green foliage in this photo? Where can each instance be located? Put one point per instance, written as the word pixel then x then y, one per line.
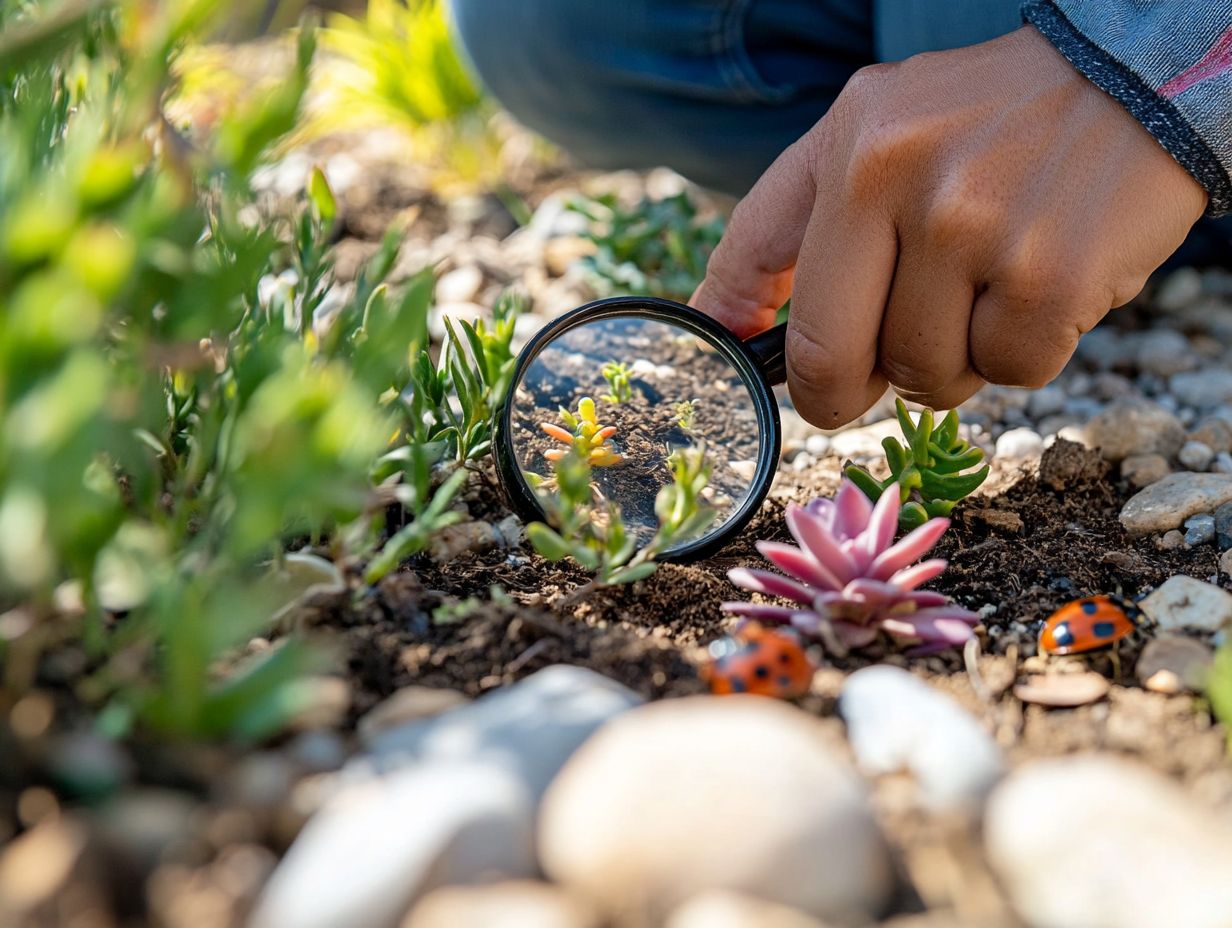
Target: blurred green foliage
pixel 182 389
pixel 655 248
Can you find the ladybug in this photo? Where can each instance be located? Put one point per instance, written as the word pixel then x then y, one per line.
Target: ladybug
pixel 759 660
pixel 1088 624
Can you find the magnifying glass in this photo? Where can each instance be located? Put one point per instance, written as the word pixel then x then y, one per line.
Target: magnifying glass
pixel 663 377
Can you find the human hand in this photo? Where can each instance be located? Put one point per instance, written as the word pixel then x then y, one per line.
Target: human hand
pixel 956 218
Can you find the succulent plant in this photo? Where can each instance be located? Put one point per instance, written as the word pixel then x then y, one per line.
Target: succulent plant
pixel 849 580
pixel 927 470
pixel 591 440
pixel 616 374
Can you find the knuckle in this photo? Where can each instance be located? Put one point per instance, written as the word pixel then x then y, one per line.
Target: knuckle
pixel 909 374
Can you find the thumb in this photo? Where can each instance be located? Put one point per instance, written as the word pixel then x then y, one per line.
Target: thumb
pixel 749 275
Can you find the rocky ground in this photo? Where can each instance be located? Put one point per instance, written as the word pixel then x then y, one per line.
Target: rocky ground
pixel 501 760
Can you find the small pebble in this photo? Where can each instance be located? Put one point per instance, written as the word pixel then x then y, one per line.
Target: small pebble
pixel 896 721
pixel 1180 289
pixel 1019 444
pixel 1170 540
pixel 1194 455
pixel 1223 463
pixel 1225 563
pixel 1174 499
pixel 1215 433
pixel 1204 389
pixel 1183 601
pixel 1174 663
pixel 1200 529
pixel 1135 426
pixel 1141 470
pixel 1165 353
pixel 1063 690
pixel 1223 526
pixel 1046 401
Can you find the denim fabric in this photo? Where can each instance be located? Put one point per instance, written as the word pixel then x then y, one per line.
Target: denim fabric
pixel 715 89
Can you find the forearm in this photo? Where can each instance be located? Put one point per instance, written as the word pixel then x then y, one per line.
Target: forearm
pixel 1169 62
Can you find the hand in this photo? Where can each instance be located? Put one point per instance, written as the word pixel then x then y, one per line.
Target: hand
pixel 955 219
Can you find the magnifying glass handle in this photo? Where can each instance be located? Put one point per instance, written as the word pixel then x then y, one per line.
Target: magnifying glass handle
pixel 770 349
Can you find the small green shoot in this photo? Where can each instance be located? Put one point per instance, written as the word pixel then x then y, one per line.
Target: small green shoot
pixel 617 376
pixel 686 411
pixel 929 470
pixel 593 533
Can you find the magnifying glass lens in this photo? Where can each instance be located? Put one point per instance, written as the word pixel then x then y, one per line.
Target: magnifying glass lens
pixel 638 389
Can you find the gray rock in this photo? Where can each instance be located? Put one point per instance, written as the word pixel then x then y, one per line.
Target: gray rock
pixel 895 721
pixel 529 728
pixel 1185 602
pixel 139 825
pixel 1135 426
pixel 1170 540
pixel 1204 389
pixel 1215 433
pixel 1225 563
pixel 1180 289
pixel 520 904
pixel 1223 463
pixel 1200 529
pixel 1174 499
pixel 1132 850
pixel 664 804
pixel 1223 526
pixel 379 843
pixel 318 751
pixel 86 765
pixel 1195 456
pixel 1019 444
pixel 1046 401
pixel 1104 348
pixel 1166 352
pixel 1141 470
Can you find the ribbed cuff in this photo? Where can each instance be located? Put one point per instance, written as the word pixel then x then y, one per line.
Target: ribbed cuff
pixel 1160 116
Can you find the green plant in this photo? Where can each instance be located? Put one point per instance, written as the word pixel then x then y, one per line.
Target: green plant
pixel 686 413
pixel 184 393
pixel 591 441
pixel 617 376
pixel 658 247
pixel 1219 689
pixel 928 471
pixel 593 533
pixel 450 405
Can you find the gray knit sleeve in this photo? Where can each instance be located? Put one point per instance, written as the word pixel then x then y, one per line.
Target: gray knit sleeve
pixel 1169 62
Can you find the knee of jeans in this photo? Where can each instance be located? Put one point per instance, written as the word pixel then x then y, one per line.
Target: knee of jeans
pixel 519 49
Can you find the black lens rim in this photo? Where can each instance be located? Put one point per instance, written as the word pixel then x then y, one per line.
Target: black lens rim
pixel 520 496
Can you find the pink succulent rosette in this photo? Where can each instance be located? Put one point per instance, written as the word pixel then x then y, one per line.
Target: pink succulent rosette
pixel 850 575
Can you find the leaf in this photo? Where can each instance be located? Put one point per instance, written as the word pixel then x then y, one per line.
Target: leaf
pixel 865 481
pixel 632 574
pixel 548 542
pixel 322 197
pixel 953 486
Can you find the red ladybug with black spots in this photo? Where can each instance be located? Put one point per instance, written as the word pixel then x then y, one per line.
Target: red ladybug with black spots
pixel 1088 624
pixel 759 660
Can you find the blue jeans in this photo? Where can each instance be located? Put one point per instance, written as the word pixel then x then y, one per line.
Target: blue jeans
pixel 715 89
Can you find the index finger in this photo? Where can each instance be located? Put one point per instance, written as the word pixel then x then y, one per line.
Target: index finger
pixel 842 284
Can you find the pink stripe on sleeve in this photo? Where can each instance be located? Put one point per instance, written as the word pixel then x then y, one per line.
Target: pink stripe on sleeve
pixel 1217 60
